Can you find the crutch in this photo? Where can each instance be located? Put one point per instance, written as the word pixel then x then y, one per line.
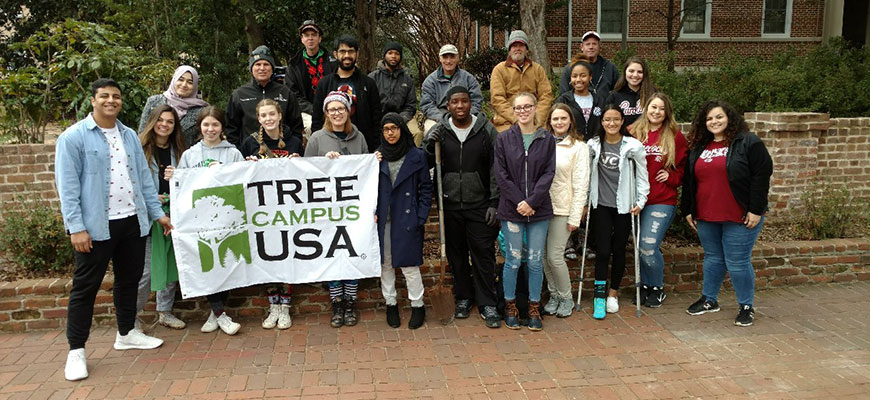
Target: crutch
pixel 635 228
pixel 577 306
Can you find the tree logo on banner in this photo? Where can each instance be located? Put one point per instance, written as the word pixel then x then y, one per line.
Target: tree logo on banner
pixel 219 213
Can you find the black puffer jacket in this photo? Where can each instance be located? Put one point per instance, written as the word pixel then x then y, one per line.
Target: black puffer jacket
pixel 468 167
pixel 242 114
pixel 749 168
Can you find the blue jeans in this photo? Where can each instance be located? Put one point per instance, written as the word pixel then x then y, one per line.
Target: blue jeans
pixel 728 248
pixel 536 237
pixel 654 222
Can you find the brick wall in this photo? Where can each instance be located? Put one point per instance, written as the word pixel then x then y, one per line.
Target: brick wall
pixel 27 170
pixel 41 304
pixel 647 28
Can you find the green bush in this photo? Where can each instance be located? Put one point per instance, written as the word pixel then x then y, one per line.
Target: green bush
pixel 66 57
pixel 480 64
pixel 829 212
pixel 33 236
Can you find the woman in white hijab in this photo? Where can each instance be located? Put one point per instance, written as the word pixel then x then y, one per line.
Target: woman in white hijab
pixel 183 96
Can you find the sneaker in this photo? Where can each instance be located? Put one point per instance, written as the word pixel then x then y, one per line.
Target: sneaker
pixel 393 319
pixel 170 321
pixel 703 306
pixel 135 339
pixel 535 324
pixel 418 316
pixel 644 295
pixel 490 315
pixel 552 304
pixel 612 305
pixel 566 307
pixel 656 297
pixel 590 254
pixel 746 316
pixel 598 308
pixel 272 319
pixel 511 317
pixel 227 325
pixel 76 367
pixel 570 253
pixel 284 321
pixel 463 308
pixel 210 324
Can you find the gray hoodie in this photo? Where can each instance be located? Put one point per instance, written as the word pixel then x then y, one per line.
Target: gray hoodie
pixel 197 155
pixel 324 141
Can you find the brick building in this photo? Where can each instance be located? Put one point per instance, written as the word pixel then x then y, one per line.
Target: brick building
pixel 751 27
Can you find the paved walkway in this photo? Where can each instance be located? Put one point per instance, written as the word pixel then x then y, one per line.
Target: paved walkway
pixel 808 342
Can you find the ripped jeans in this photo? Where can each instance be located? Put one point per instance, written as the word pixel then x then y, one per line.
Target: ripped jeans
pixel 536 242
pixel 654 222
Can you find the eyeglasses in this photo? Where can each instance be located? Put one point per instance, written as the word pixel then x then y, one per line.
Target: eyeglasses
pixel 524 108
pixel 393 129
pixel 336 111
pixel 346 52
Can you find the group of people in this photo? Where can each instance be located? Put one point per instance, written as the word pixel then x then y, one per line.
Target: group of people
pixel 606 154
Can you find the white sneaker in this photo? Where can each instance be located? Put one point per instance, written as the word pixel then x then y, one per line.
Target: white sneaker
pixel 284 320
pixel 272 319
pixel 135 339
pixel 210 325
pixel 76 367
pixel 227 325
pixel 170 321
pixel 612 305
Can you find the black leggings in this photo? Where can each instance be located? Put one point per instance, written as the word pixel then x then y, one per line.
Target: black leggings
pixel 611 230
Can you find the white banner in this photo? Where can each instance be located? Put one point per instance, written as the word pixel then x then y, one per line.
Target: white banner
pixel 286 220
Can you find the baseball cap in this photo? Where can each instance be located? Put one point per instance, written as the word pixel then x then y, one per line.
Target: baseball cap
pixel 448 49
pixel 310 24
pixel 590 34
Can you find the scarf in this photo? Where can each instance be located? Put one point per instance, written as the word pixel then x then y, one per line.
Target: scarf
pixel 314 71
pixel 182 104
pixel 393 152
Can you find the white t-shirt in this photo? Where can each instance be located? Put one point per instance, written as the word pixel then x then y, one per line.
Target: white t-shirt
pixel 462 134
pixel 121 197
pixel 585 103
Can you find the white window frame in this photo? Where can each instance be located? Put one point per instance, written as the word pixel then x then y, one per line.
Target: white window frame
pixel 788 12
pixel 610 35
pixel 708 13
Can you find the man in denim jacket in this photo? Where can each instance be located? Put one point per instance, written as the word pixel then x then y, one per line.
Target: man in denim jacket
pixel 108 201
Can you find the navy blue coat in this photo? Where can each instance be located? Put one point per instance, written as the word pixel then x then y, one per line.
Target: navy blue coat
pixel 408 200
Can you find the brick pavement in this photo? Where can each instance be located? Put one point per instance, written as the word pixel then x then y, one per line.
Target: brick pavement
pixel 808 342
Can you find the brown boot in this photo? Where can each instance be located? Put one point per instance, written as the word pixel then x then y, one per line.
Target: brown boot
pixel 511 314
pixel 535 323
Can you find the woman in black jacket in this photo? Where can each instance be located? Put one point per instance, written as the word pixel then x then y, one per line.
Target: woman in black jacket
pixel 724 199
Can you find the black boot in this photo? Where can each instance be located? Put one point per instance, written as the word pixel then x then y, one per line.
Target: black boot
pixel 337 314
pixel 350 317
pixel 393 316
pixel 418 315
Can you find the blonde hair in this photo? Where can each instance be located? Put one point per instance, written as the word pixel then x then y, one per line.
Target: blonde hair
pixel 534 103
pixel 264 151
pixel 641 129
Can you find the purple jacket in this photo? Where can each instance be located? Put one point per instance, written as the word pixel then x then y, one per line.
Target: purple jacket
pixel 524 175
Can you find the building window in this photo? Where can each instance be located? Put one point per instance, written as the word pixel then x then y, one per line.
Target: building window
pixel 777 18
pixel 696 17
pixel 610 17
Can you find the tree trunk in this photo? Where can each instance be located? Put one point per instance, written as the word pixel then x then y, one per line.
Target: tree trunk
pixel 671 39
pixel 253 31
pixel 366 20
pixel 533 18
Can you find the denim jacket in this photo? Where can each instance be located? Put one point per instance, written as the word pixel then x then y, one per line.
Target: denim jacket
pixel 82 176
pixel 631 151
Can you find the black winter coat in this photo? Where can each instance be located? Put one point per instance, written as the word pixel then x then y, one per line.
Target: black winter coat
pixel 301 82
pixel 468 168
pixel 587 129
pixel 367 114
pixel 242 114
pixel 749 168
pixel 397 90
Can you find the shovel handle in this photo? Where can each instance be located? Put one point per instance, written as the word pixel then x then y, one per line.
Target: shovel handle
pixel 440 211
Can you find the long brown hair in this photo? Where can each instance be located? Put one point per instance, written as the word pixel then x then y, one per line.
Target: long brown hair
pixel 669 129
pixel 572 128
pixel 700 136
pixel 646 88
pixel 264 151
pixel 148 137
